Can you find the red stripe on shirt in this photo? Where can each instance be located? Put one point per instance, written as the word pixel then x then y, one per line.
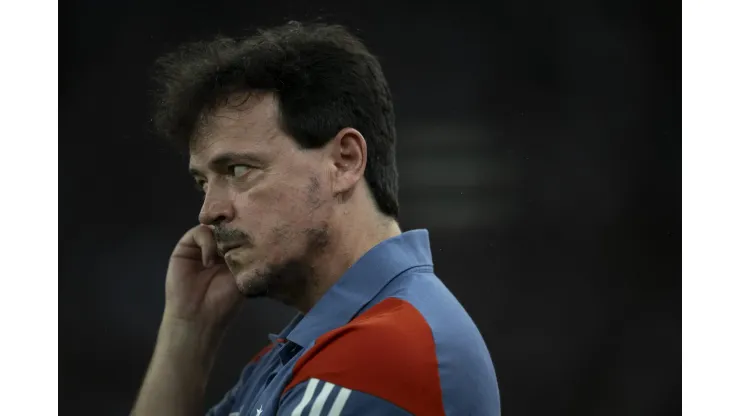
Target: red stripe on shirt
pixel 388 352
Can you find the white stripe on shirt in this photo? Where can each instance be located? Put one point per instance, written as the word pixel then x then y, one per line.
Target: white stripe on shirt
pixel 339 402
pixel 318 405
pixel 307 396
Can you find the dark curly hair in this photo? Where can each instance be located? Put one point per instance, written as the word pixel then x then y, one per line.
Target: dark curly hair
pixel 324 78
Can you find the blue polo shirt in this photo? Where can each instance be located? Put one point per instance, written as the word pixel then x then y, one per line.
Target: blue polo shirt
pixel 387 339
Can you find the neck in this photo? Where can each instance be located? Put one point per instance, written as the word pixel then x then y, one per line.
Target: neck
pixel 350 241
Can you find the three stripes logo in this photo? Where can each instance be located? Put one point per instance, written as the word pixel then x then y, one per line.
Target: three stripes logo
pixel 318 402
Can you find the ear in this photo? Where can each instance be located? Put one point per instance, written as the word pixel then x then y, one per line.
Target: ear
pixel 348 154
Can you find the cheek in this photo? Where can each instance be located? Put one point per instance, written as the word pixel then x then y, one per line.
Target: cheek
pixel 275 206
pixel 276 219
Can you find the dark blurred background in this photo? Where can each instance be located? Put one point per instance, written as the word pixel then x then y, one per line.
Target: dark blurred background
pixel 539 142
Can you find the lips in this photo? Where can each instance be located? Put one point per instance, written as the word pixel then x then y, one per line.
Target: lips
pixel 224 249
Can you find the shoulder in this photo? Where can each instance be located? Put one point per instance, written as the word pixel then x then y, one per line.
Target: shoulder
pixel 388 351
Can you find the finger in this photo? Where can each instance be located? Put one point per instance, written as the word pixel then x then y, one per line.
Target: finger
pixel 203 237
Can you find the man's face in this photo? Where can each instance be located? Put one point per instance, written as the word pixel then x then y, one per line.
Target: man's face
pixel 266 199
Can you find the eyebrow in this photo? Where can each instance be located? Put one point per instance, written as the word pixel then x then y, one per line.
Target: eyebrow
pixel 223 159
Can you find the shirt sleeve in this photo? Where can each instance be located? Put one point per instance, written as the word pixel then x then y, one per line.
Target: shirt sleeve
pixel 322 398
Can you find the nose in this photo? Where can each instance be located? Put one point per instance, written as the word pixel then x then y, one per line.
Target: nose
pixel 216 209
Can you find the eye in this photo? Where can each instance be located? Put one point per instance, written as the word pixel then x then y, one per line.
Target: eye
pixel 238 170
pixel 200 185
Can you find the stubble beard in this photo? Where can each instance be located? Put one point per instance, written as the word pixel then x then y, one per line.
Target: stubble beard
pixel 291 280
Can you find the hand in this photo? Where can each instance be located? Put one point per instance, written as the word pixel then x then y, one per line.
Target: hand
pixel 199 288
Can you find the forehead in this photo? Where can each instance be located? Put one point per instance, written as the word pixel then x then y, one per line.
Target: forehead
pixel 251 126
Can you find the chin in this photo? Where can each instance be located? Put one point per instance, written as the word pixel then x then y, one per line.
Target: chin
pixel 286 282
pixel 251 282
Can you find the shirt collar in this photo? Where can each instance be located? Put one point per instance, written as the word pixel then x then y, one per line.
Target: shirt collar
pixel 360 284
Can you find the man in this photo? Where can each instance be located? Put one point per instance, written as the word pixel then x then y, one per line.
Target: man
pixel 291 138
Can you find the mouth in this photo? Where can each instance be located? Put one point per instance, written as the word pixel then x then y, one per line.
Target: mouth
pixel 227 248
